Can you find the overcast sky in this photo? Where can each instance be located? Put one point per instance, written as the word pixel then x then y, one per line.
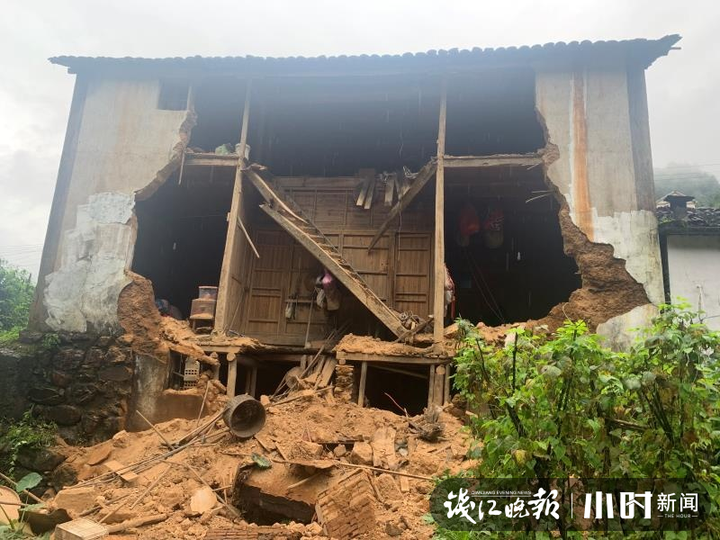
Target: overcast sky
pixel 35 96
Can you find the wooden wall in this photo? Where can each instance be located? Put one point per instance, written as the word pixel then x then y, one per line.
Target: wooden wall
pixel 398 269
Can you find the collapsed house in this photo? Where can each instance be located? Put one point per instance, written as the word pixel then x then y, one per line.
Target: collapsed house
pixel 340 213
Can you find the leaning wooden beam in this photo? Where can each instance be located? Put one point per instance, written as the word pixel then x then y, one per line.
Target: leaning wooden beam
pixel 425 174
pixel 499 160
pixel 247 237
pixel 439 248
pixel 267 192
pixel 221 311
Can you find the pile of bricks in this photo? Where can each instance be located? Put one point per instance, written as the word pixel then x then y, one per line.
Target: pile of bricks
pixel 347 509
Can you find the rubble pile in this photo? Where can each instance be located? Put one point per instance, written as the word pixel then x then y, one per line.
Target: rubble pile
pixel 315 470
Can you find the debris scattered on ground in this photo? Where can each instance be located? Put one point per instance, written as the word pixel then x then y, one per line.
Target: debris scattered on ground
pixel 287 481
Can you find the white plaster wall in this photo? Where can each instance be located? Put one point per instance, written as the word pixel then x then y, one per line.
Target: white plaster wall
pixel 597 102
pixel 622 331
pixel 123 142
pixel 693 269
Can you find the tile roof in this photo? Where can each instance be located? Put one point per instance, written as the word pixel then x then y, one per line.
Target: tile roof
pixel 640 51
pixel 697 218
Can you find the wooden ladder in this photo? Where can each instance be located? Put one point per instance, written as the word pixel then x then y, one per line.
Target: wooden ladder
pixel 286 213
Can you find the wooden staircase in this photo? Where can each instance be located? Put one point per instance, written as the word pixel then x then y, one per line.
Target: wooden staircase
pixel 286 213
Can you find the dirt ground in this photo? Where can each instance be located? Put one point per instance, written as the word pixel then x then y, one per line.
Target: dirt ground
pixel 309 429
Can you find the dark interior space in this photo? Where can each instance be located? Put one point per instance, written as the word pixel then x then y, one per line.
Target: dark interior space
pixel 503 246
pixel 266 509
pixel 181 233
pixel 407 385
pixel 219 103
pixel 382 123
pixel 493 113
pixel 270 375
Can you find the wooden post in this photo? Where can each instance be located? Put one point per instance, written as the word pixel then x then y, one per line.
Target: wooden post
pixel 439 390
pixel 431 386
pixel 253 381
pixel 363 382
pixel 221 312
pixel 439 250
pixel 232 374
pixel 447 385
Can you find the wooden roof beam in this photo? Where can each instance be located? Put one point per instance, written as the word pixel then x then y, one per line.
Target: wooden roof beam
pixel 498 160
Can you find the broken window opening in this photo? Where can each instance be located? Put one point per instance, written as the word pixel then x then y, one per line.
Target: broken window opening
pixel 181 234
pixel 504 247
pixel 219 103
pixel 493 113
pixel 173 95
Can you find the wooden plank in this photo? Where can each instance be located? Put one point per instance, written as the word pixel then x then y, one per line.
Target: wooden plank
pixel 193 159
pixel 344 357
pixel 363 382
pixel 364 294
pixel 229 254
pixel 389 190
pixel 439 247
pixel 498 160
pixel 326 373
pixel 363 193
pixel 422 178
pixel 370 194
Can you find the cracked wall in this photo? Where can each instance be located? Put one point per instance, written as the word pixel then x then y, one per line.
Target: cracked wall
pixel 598 161
pixel 126 147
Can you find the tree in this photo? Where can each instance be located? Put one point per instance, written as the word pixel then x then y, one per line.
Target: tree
pixel 16 295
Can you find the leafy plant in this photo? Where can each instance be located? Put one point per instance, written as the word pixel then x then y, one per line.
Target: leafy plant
pixel 50 341
pixel 26 435
pixel 16 295
pixel 563 405
pixel 14 529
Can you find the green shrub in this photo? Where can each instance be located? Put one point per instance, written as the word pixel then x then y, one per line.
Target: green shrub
pixel 26 435
pixel 562 405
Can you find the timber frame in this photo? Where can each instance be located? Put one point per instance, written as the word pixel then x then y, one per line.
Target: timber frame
pixel 435 359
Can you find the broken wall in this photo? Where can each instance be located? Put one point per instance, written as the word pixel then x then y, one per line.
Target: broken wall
pixel 119 142
pixel 598 158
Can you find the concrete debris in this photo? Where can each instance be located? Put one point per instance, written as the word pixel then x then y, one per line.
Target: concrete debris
pixel 202 500
pixel 75 500
pixel 362 454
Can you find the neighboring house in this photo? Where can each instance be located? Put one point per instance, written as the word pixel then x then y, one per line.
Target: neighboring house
pixel 526 171
pixel 690 247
